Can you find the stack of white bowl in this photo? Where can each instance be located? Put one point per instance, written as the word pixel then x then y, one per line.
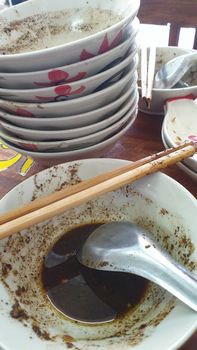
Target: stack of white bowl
pixel 74 99
pixel 179 125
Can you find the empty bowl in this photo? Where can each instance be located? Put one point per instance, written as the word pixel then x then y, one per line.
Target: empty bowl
pixel 65 134
pixel 73 121
pixel 68 143
pixel 72 72
pixel 68 139
pixel 51 158
pixel 72 90
pixel 157 202
pixel 44 34
pixel 76 106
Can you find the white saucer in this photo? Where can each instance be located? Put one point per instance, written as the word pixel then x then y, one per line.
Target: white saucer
pixel 180 124
pixel 182 166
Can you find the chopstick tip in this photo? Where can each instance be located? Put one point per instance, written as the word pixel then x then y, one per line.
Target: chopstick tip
pixel 148 101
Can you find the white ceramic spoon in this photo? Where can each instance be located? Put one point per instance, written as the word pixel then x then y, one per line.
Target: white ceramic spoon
pixel 172 71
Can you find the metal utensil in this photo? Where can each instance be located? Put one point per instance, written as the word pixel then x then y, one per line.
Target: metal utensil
pixel 126 247
pixel 172 71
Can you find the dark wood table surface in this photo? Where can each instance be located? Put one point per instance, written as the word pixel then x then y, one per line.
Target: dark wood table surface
pixel 141 140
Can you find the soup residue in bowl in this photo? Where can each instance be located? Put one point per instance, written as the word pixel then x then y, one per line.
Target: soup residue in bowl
pixel 85 294
pixel 50 29
pixel 24 266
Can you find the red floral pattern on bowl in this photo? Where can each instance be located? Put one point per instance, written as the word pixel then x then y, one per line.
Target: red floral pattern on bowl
pixel 104 47
pixel 62 92
pixel 19 111
pixel 58 76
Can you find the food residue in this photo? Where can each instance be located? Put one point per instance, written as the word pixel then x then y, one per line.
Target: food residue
pixel 49 29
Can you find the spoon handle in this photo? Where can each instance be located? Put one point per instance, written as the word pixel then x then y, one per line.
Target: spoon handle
pixel 170 275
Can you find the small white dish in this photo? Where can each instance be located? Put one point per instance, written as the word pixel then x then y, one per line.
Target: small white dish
pixel 70 122
pixel 182 166
pixel 77 106
pixel 66 31
pixel 73 72
pixel 69 91
pixel 68 143
pixel 52 158
pixel 180 124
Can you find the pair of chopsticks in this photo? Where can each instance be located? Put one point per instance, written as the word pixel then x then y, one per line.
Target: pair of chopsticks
pixel 72 196
pixel 147 73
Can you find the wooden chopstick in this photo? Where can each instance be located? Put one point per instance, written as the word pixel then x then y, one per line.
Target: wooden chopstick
pixel 69 190
pixel 147 73
pixel 151 75
pixel 144 71
pixel 97 186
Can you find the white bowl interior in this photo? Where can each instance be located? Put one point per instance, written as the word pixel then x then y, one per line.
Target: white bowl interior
pixel 57 23
pixel 143 202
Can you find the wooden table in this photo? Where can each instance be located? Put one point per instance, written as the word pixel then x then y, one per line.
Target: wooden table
pixel 141 140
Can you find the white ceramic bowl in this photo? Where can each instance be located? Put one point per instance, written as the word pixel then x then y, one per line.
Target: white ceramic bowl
pixel 18 135
pixel 72 72
pixel 51 158
pixel 76 106
pixel 182 165
pixel 73 90
pixel 78 41
pixel 71 122
pixel 180 124
pixel 66 141
pixel 159 96
pixel 68 145
pixel 158 315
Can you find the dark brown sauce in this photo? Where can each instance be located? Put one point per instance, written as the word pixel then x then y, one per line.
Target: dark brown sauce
pixel 85 294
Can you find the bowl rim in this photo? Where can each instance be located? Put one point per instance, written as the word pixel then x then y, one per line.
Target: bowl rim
pixel 86 62
pixel 166 125
pixel 128 59
pixel 130 100
pixel 126 92
pixel 106 160
pixel 92 148
pixel 128 76
pixel 123 120
pixel 122 23
pixel 181 165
